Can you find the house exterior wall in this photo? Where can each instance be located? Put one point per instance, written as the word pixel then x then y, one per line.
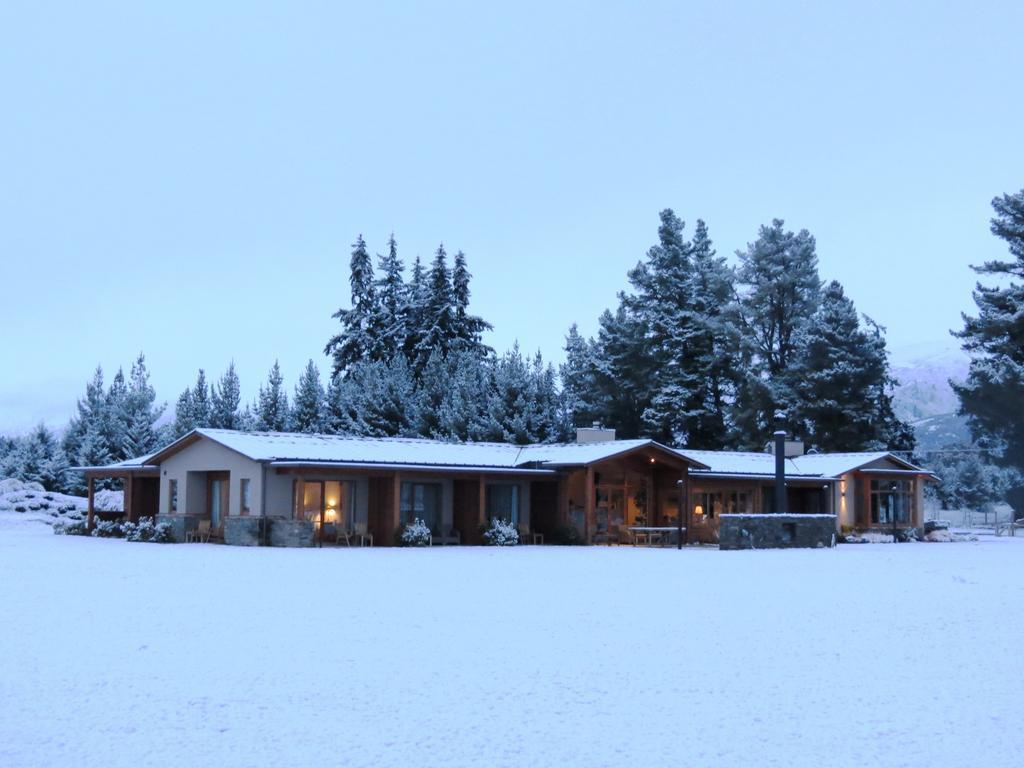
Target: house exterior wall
pixel 189 467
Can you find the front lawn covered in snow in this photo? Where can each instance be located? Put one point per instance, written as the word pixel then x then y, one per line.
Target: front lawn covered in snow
pixel 124 654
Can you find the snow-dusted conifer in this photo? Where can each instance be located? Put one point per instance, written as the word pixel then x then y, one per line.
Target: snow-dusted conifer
pixel 355 340
pixel 309 411
pixel 272 403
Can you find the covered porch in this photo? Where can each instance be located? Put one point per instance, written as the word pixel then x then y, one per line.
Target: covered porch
pixel 141 488
pixel 345 505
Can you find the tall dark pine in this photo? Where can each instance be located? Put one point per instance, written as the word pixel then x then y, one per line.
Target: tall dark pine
pixel 779 291
pixel 414 313
pixel 841 381
pixel 355 340
pixel 992 395
pixel 582 403
pixel 438 322
pixel 468 329
pixel 698 353
pixel 141 412
pixel 388 322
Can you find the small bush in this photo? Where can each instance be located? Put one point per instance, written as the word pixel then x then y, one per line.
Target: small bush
pixel 48 497
pixel 566 535
pixel 66 508
pixel 501 534
pixel 416 534
pixel 147 530
pixel 75 528
pixel 21 508
pixel 108 529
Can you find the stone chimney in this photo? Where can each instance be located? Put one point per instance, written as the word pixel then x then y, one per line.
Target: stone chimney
pixel 594 434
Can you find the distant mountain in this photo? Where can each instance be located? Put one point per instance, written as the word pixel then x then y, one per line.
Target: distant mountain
pixel 924 397
pixel 923 371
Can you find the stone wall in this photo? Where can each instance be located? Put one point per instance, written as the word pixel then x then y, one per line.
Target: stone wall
pixel 285 532
pixel 776 531
pixel 243 531
pixel 180 525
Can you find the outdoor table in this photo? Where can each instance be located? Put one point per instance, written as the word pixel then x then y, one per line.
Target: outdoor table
pixel 654 532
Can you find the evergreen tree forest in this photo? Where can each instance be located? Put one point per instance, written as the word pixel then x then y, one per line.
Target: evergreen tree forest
pixel 700 351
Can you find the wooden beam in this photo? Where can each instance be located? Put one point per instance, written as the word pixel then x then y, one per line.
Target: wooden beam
pixel 588 506
pixel 91 483
pixel 128 499
pixel 396 505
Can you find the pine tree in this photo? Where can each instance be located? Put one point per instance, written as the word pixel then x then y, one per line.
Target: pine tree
pixel 309 413
pixel 991 396
pixel 90 411
pixel 467 329
pixel 624 369
pixel 115 421
pixel 355 340
pixel 841 381
pixel 712 348
pixel 272 404
pixel 141 413
pixel 388 322
pixel 201 401
pixel 184 414
pixel 438 311
pixel 580 394
pixel 225 399
pixel 779 292
pixel 414 313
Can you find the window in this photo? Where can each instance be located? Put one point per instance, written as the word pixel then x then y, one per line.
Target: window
pixel 172 497
pixel 423 501
pixel 711 505
pixel 245 495
pixel 503 502
pixel 891 501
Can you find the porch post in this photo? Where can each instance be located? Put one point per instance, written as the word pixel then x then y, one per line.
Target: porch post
pixel 684 503
pixel 91 483
pixel 300 498
pixel 128 511
pixel 588 509
pixel 396 505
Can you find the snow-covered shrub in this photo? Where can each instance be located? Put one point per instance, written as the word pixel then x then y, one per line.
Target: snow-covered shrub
pixel 416 534
pixel 108 501
pixel 65 509
pixel 108 529
pixel 501 534
pixel 20 508
pixel 71 528
pixel 147 529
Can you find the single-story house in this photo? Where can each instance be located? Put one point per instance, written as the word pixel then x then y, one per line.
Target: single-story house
pixel 311 487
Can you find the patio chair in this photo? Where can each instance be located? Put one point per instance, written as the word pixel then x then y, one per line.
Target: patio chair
pixel 362 535
pixel 216 533
pixel 200 534
pixel 626 536
pixel 345 535
pixel 527 537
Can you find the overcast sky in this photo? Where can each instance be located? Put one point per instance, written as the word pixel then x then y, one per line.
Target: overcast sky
pixel 188 181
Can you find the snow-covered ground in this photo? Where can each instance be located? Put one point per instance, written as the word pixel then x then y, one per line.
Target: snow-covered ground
pixel 131 654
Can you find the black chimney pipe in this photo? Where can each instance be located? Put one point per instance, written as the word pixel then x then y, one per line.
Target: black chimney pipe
pixel 779 505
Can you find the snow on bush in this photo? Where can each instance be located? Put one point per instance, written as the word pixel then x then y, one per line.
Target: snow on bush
pixel 71 528
pixel 108 501
pixel 108 529
pixel 501 534
pixel 22 496
pixel 147 530
pixel 416 534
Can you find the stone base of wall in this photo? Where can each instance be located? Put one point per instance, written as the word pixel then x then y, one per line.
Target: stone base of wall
pixel 776 531
pixel 291 533
pixel 243 531
pixel 180 525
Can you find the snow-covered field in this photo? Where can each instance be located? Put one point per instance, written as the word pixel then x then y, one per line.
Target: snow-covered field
pixel 132 654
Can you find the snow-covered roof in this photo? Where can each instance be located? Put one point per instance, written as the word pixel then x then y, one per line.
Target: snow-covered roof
pixel 138 462
pixel 295 448
pixel 823 465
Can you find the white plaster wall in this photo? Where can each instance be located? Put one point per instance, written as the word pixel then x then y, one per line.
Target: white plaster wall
pixel 189 466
